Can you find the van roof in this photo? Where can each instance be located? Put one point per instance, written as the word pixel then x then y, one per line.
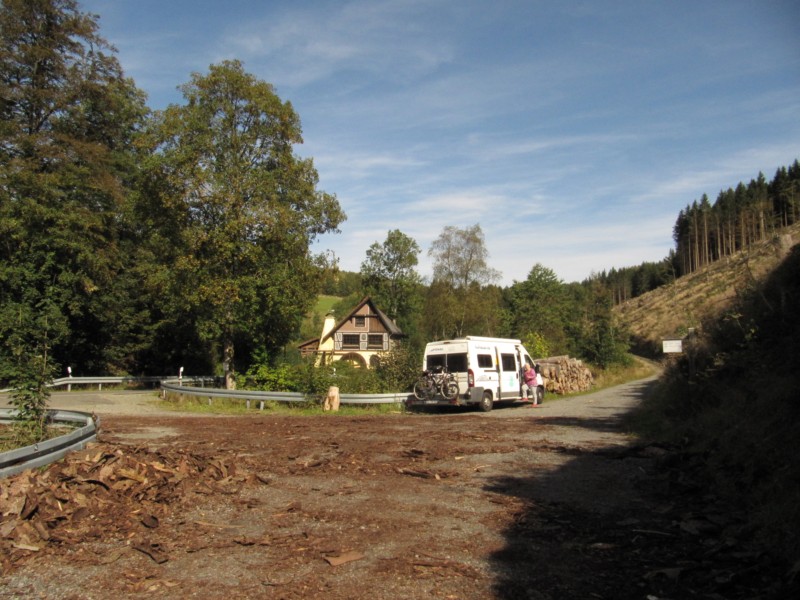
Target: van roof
pixel 478 338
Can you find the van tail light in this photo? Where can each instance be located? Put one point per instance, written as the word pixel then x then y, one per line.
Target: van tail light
pixel 470 378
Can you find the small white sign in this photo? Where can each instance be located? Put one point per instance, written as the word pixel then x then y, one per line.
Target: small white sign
pixel 672 346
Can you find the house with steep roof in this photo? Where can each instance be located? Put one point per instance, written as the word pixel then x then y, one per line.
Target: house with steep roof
pixel 360 337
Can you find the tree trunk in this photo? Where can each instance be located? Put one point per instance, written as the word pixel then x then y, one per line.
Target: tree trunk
pixel 227 364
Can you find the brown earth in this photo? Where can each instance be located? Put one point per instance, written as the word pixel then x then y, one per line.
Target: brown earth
pixel 550 502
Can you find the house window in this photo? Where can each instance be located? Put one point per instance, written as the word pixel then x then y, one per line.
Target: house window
pixel 375 341
pixel 350 341
pixel 360 321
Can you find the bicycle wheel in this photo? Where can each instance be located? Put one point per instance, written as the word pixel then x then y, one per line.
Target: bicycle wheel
pixel 423 389
pixel 449 388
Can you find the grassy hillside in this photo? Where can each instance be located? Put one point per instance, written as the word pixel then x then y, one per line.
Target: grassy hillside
pixel 325 303
pixel 312 323
pixel 671 310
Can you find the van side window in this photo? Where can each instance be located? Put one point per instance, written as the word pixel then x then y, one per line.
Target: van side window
pixel 509 363
pixel 485 361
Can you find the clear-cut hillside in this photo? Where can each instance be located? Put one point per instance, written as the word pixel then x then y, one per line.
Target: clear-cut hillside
pixel 670 311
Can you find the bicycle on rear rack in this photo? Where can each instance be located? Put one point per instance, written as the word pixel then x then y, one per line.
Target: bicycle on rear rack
pixel 437 380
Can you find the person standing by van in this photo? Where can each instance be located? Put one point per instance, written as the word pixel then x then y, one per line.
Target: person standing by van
pixel 529 379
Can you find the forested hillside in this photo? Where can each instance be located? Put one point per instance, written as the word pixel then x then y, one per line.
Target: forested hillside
pixel 738 219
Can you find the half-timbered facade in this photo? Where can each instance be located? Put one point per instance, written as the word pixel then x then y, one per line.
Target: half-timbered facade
pixel 361 336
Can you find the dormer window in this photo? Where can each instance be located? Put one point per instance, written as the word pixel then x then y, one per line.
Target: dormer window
pixel 360 321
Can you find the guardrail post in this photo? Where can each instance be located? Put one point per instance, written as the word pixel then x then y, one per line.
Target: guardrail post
pixel 261 405
pixel 248 404
pixel 209 400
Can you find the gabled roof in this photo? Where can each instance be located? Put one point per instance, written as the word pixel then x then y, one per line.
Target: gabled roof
pixel 314 341
pixel 390 325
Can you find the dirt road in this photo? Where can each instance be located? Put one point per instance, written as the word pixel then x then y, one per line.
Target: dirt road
pixel 551 502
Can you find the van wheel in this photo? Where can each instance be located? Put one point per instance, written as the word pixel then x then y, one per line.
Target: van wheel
pixel 486 402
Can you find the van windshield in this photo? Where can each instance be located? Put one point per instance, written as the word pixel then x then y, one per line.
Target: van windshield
pixel 455 363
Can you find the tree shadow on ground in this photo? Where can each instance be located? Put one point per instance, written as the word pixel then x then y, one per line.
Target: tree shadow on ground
pixel 624 522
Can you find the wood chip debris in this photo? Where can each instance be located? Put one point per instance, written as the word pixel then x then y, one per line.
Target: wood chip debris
pixel 104 493
pixel 344 557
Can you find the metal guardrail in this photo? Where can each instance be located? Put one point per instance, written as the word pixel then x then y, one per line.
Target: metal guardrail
pixel 177 386
pixel 68 382
pixel 397 398
pixel 261 397
pixel 44 453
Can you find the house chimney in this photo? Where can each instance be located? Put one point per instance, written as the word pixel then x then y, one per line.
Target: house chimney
pixel 328 325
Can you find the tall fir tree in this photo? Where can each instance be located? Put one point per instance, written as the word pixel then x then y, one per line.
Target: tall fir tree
pixel 69 117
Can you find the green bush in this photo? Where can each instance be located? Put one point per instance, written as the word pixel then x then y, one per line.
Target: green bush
pixel 278 378
pixel 394 371
pixel 30 397
pixel 351 379
pixel 537 345
pixel 398 369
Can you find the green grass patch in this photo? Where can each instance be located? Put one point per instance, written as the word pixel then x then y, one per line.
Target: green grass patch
pixel 13 437
pixel 639 368
pixel 326 303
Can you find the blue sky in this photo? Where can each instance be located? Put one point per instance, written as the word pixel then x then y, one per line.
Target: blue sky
pixel 572 132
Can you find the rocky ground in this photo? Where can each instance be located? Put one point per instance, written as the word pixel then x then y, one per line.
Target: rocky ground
pixel 552 502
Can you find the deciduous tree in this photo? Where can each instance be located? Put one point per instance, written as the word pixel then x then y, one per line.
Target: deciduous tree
pixel 460 271
pixel 540 305
pixel 390 277
pixel 247 209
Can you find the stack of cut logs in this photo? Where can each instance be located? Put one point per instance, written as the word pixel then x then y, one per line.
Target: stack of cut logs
pixel 565 375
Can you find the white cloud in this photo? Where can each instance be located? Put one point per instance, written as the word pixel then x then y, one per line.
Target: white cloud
pixel 304 45
pixel 572 133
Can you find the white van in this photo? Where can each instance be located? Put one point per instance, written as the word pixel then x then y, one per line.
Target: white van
pixel 488 370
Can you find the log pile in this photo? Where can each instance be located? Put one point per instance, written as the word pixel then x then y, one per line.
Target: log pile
pixel 565 375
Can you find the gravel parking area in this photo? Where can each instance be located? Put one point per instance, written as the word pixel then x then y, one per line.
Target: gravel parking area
pixel 522 502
